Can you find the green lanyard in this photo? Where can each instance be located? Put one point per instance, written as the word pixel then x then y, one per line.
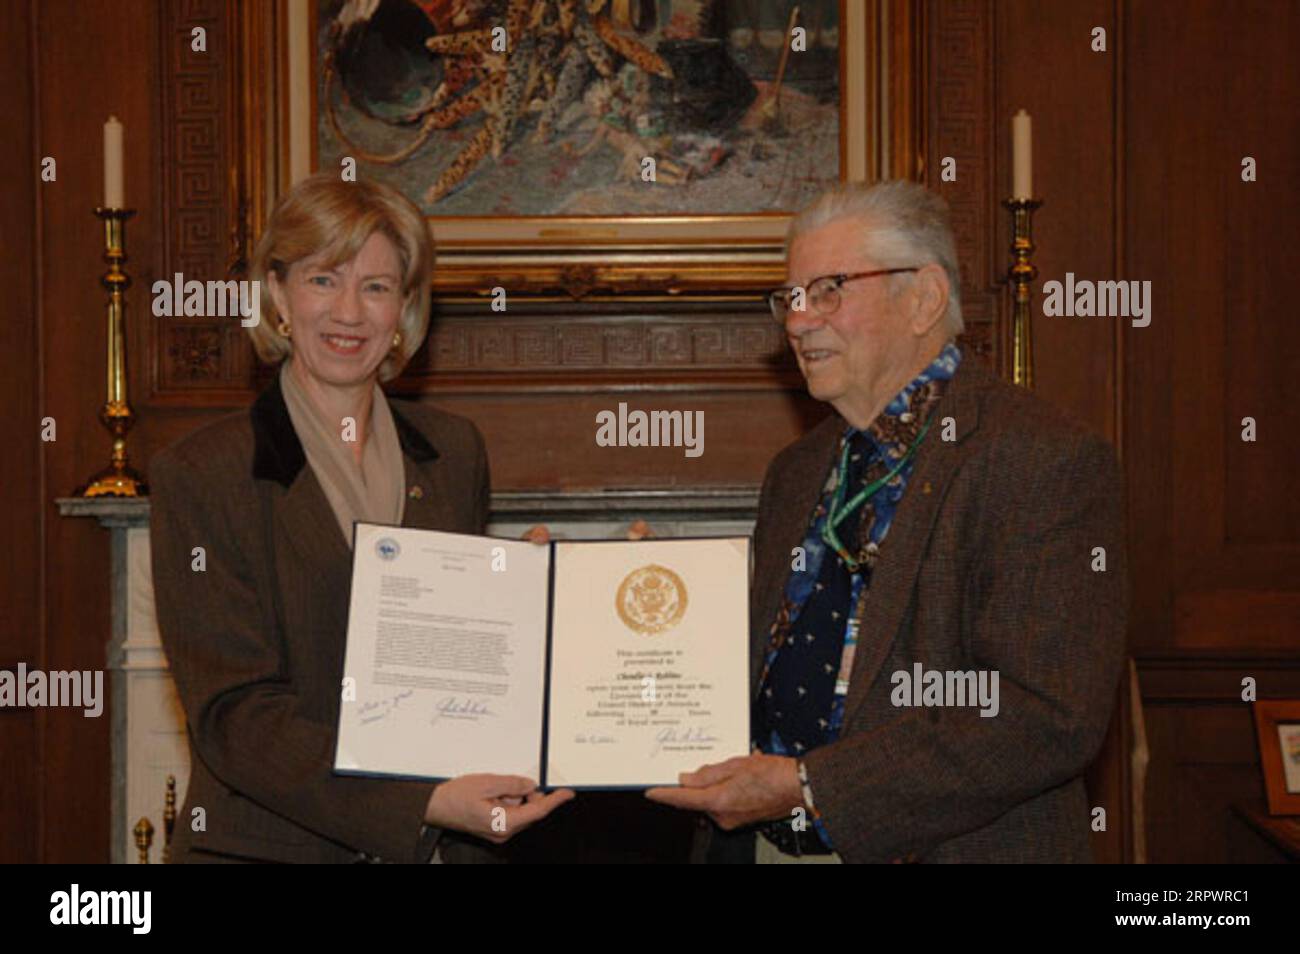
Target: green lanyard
pixel 839 510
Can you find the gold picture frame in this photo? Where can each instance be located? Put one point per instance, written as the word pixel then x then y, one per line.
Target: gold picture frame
pixel 680 256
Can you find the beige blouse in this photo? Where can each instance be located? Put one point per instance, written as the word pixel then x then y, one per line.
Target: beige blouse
pixel 370 492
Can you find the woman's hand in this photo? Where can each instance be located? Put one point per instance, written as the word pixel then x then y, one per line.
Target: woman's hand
pixel 492 807
pixel 640 530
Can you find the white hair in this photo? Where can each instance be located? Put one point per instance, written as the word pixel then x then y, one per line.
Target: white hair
pixel 903 223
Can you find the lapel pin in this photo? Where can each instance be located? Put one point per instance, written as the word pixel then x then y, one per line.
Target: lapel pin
pixel 925 489
pixel 416 492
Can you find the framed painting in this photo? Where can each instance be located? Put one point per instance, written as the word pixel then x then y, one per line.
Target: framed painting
pixel 1277 727
pixel 587 147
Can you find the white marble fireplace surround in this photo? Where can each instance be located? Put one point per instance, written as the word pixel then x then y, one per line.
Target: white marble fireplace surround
pixel 148 725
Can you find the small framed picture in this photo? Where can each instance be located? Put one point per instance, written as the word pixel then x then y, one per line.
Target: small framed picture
pixel 1277 725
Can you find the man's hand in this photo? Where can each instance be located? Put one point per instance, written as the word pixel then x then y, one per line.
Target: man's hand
pixel 491 807
pixel 739 791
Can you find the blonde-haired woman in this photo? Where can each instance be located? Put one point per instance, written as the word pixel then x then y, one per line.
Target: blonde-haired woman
pixel 255 631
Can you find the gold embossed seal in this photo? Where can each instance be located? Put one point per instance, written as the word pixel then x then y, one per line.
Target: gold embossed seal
pixel 651 599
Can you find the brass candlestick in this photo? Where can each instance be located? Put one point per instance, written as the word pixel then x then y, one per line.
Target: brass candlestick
pixel 1021 273
pixel 169 819
pixel 143 839
pixel 117 479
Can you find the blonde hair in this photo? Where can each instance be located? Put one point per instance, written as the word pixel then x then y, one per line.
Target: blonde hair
pixel 903 223
pixel 327 217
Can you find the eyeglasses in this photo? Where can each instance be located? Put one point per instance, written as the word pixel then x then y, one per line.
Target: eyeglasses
pixel 822 296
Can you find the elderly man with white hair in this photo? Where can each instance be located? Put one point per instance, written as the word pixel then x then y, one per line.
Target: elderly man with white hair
pixel 938 606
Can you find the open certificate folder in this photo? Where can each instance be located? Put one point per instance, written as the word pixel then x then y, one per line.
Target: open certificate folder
pixel 585 664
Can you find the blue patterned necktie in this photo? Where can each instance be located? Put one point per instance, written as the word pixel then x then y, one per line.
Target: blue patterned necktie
pixel 796 699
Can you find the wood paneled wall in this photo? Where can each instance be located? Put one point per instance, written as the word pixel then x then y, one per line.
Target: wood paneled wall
pixel 1137 157
pixel 1215 519
pixel 21 468
pixel 67 66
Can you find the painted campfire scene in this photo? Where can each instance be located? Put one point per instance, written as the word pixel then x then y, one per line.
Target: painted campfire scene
pixel 552 107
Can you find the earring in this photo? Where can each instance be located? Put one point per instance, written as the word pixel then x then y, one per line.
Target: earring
pixel 283 328
pixel 397 340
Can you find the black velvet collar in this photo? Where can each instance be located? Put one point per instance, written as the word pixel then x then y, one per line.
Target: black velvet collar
pixel 277 452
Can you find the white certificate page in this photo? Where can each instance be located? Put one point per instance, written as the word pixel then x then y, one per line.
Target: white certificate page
pixel 446 652
pixel 649 660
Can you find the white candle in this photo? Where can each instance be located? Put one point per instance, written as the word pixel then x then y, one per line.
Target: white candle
pixel 1022 174
pixel 113 177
